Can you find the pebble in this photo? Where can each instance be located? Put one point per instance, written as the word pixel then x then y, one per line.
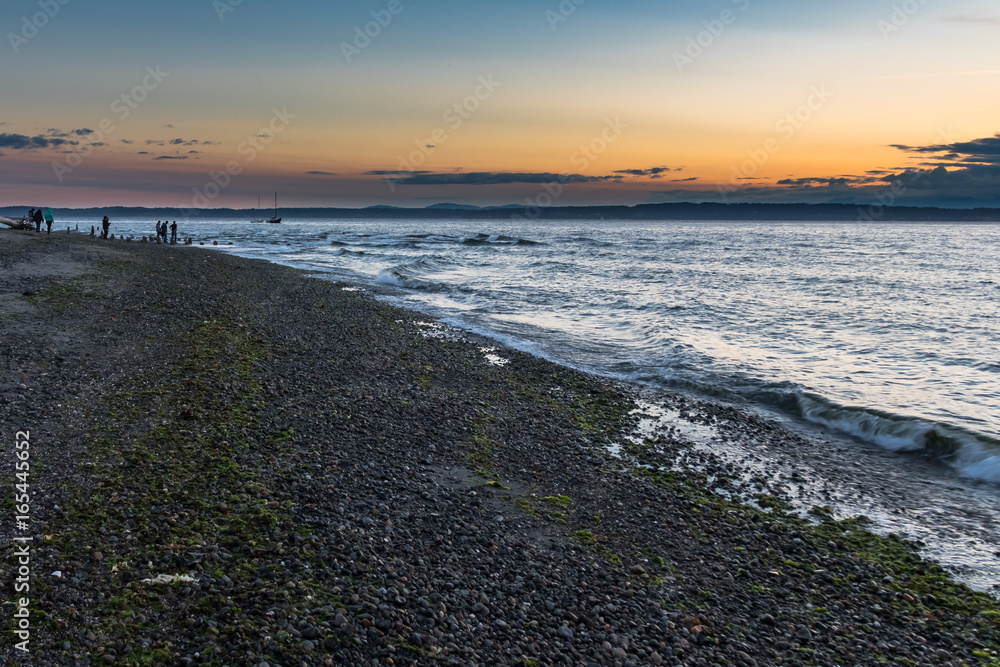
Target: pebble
pixel 352 433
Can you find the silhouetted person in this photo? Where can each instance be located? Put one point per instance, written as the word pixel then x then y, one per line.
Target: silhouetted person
pixel 173 232
pixel 38 219
pixel 48 220
pixel 105 225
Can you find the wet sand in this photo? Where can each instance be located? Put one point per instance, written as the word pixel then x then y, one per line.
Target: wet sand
pixel 236 464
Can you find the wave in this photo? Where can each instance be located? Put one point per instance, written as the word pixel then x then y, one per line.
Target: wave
pixel 972 454
pixel 410 275
pixel 397 279
pixel 496 239
pixel 340 252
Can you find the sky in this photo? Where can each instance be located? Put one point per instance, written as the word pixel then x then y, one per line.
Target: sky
pixel 216 103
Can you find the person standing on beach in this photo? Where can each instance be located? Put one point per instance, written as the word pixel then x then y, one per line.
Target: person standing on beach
pixel 157 230
pixel 31 216
pixel 173 232
pixel 105 226
pixel 48 220
pixel 38 219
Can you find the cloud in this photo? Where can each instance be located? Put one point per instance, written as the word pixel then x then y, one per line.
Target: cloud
pixel 684 180
pixel 83 132
pixel 171 157
pixel 488 178
pixel 974 19
pixel 127 141
pixel 24 142
pixel 20 141
pixel 170 125
pixel 834 182
pixel 985 150
pixel 321 173
pixel 387 172
pixel 967 181
pixel 652 172
pixel 179 142
pixel 959 173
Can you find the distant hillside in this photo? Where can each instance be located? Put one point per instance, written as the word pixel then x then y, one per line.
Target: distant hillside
pixel 749 212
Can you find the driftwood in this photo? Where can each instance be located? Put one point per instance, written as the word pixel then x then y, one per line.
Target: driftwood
pixel 17 223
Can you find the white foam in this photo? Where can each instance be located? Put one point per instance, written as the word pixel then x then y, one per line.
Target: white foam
pixel 390 277
pixel 986 469
pixel 897 436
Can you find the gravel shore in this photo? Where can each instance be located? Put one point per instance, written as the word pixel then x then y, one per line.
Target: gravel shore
pixel 233 463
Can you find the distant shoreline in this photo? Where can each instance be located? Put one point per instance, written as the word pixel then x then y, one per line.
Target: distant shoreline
pixel 650 212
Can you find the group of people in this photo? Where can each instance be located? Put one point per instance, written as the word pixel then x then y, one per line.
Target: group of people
pixel 36 216
pixel 162 228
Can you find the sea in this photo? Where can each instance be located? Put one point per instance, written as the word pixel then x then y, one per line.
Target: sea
pixel 883 338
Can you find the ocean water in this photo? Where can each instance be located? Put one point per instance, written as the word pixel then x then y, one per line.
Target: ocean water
pixel 889 333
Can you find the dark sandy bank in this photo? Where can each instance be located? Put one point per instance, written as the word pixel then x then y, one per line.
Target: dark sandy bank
pixel 235 464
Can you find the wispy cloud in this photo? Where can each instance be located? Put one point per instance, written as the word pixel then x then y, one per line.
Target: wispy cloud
pixel 963 173
pixel 171 157
pixel 974 19
pixel 652 172
pixel 837 181
pixel 321 173
pixel 985 150
pixel 51 138
pixel 932 75
pixel 179 142
pixel 488 178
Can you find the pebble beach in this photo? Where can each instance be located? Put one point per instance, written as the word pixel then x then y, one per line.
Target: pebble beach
pixel 234 463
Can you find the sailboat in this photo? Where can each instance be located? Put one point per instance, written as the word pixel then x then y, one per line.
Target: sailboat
pixel 275 219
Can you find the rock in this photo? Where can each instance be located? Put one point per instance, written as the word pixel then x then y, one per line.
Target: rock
pixel 565 632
